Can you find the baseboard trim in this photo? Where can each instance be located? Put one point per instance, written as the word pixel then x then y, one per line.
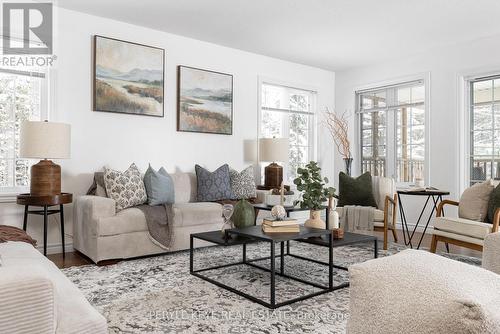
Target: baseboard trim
pixel 56 248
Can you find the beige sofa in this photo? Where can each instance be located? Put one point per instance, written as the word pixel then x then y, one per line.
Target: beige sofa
pixel 36 297
pixel 420 292
pixel 101 233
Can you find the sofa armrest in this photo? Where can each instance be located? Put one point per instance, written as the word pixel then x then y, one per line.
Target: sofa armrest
pixel 96 206
pixel 27 301
pixel 491 249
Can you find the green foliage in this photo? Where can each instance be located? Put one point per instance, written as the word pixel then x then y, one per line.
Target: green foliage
pixel 312 186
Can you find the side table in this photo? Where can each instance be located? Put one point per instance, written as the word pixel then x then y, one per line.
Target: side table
pixel 45 202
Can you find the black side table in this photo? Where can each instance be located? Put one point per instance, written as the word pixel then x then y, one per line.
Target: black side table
pixel 437 197
pixel 45 202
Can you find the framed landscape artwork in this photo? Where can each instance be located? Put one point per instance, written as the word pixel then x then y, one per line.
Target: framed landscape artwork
pixel 128 77
pixel 204 101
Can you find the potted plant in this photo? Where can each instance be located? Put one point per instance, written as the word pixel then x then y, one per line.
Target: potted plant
pixel 314 192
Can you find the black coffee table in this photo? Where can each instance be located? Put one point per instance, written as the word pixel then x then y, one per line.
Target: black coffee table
pixel 252 234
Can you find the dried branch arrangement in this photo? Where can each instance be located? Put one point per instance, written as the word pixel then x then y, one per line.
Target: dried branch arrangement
pixel 338 127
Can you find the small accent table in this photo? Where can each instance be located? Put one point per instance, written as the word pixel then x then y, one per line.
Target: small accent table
pixel 45 202
pixel 437 197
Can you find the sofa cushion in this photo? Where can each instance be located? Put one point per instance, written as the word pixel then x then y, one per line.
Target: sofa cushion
pixel 378 215
pixel 356 191
pixel 213 186
pixel 125 221
pixel 493 203
pixel 474 201
pixel 126 188
pixel 184 187
pixel 242 183
pixel 159 187
pixel 201 213
pixel 462 226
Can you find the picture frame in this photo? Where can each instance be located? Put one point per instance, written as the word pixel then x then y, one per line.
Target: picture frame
pixel 204 101
pixel 128 77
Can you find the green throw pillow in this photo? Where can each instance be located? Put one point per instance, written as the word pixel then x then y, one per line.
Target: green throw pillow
pixel 356 191
pixel 494 203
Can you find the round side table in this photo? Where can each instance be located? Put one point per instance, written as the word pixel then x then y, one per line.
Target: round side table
pixel 45 202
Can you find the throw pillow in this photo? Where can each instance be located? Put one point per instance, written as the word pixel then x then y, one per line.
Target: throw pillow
pixel 494 203
pixel 213 186
pixel 473 203
pixel 126 188
pixel 159 187
pixel 356 191
pixel 243 183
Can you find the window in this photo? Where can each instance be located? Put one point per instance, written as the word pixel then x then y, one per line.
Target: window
pixel 392 131
pixel 484 128
pixel 289 113
pixel 22 98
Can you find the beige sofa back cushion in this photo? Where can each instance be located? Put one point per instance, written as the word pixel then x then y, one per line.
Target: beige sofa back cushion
pixel 185 187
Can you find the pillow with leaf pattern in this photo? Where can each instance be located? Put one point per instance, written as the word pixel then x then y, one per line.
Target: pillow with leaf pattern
pixel 126 188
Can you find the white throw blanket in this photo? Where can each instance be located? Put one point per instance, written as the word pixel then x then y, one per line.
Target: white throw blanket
pixel 357 218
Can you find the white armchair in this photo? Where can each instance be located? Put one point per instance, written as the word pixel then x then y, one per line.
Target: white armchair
pixel 384 192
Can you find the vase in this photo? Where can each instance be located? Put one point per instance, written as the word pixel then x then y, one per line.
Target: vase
pixel 315 220
pixel 348 165
pixel 244 214
pixel 333 217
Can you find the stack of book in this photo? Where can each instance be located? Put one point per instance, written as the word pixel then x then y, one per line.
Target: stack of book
pixel 288 225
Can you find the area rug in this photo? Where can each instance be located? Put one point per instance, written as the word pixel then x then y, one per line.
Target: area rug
pixel 158 294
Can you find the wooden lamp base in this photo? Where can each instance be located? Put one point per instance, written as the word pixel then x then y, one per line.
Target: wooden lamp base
pixel 273 176
pixel 45 179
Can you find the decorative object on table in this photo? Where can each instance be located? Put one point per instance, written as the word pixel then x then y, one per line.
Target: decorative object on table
pixel 314 192
pixel 338 233
pixel 45 140
pixel 356 191
pixel 278 212
pixel 45 201
pixel 274 222
pixel 227 212
pixel 280 196
pixel 128 77
pixel 204 101
pixel 125 188
pixel 159 186
pixel 465 232
pixel 334 215
pixel 293 228
pixel 244 214
pixel 243 183
pixel 213 186
pixel 273 150
pixel 338 126
pixel 473 204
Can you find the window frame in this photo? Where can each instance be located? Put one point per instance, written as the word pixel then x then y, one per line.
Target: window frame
pixel 392 125
pixel 8 194
pixel 313 127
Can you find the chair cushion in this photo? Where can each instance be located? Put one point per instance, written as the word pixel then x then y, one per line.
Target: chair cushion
pixel 378 215
pixel 356 191
pixel 382 187
pixel 474 201
pixel 462 226
pixel 200 213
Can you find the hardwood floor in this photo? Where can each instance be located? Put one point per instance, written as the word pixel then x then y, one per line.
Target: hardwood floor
pixel 78 259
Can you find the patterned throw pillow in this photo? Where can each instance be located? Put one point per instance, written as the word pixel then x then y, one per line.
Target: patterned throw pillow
pixel 126 188
pixel 213 186
pixel 242 184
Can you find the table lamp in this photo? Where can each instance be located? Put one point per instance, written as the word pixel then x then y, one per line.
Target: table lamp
pixel 45 140
pixel 273 150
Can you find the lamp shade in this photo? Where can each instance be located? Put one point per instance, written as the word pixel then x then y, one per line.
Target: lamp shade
pixel 273 149
pixel 45 140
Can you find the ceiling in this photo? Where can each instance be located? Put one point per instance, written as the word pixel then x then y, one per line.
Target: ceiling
pixel 330 34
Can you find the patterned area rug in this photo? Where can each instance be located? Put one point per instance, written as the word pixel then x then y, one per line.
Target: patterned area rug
pixel 158 295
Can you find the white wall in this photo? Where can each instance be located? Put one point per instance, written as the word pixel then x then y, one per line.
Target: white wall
pixel 445 65
pixel 116 140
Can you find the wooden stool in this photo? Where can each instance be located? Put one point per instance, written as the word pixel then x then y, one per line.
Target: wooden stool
pixel 45 202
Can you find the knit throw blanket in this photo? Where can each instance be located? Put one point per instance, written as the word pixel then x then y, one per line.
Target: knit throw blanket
pixel 159 219
pixel 357 218
pixel 11 233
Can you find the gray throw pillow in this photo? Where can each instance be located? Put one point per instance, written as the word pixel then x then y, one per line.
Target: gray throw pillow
pixel 159 187
pixel 243 183
pixel 126 188
pixel 213 186
pixel 473 203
